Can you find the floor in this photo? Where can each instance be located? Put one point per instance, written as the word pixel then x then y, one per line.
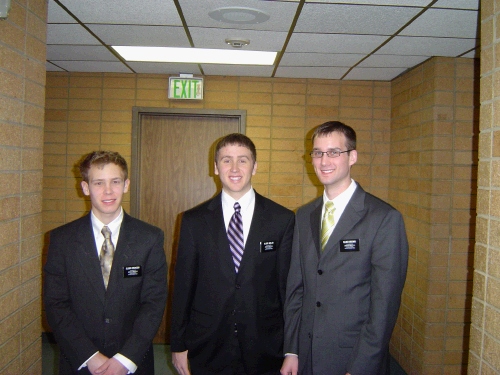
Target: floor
pixel 163 359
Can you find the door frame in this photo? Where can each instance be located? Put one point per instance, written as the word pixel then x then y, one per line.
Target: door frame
pixel 138 112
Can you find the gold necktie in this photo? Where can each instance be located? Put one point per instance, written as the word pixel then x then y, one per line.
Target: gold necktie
pixel 106 257
pixel 327 223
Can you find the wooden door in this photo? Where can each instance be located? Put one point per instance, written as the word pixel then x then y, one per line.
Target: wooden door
pixel 173 170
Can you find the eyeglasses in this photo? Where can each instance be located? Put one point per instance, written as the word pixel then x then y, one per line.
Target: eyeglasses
pixel 316 154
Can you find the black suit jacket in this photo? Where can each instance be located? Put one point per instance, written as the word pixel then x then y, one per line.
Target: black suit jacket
pixel 210 299
pixel 84 316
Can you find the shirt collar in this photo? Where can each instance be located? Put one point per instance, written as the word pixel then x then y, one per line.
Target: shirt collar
pixel 114 226
pixel 342 198
pixel 245 201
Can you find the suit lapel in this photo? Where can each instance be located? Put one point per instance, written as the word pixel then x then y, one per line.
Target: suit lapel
pixel 315 220
pixel 123 251
pixel 88 258
pixel 214 221
pixel 351 215
pixel 257 230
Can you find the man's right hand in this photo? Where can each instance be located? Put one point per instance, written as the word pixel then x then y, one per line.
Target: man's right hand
pixel 96 361
pixel 290 365
pixel 180 361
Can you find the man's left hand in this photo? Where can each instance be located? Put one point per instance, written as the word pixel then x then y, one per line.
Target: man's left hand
pixel 112 367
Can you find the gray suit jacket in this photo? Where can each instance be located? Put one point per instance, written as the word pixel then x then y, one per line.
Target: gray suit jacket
pixel 342 303
pixel 85 316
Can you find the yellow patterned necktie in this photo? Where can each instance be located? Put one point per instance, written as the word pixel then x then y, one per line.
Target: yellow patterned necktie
pixel 327 223
pixel 106 256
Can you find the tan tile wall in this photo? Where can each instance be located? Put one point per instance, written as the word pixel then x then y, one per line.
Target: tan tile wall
pixel 484 356
pixel 94 111
pixel 433 181
pixel 22 81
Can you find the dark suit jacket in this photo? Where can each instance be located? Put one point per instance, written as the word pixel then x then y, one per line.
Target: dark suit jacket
pixel 84 316
pixel 210 298
pixel 342 305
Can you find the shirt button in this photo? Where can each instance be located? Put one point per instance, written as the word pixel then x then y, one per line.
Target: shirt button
pixel 320 272
pixel 318 304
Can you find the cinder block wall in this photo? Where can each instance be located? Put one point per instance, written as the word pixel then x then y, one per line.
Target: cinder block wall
pixel 22 96
pixel 485 333
pixel 433 181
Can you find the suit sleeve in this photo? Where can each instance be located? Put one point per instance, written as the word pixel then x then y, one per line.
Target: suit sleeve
pixel 68 330
pixel 152 302
pixel 294 295
pixel 389 263
pixel 184 286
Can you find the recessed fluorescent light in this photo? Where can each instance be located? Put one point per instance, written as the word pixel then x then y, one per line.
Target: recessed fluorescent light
pixel 196 55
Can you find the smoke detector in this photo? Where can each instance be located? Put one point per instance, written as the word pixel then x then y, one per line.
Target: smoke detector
pixel 237 43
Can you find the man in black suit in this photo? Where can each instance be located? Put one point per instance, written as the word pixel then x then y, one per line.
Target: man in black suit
pixel 105 292
pixel 227 308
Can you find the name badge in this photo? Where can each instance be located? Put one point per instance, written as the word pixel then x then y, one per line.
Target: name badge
pixel 349 245
pixel 267 246
pixel 132 271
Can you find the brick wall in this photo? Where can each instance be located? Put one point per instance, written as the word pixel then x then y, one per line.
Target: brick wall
pixel 22 80
pixel 433 180
pixel 485 333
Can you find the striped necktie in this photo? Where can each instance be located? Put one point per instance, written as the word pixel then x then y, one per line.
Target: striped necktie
pixel 235 236
pixel 327 223
pixel 106 256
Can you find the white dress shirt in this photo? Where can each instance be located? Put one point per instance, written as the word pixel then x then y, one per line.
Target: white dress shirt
pixel 247 203
pixel 114 227
pixel 339 202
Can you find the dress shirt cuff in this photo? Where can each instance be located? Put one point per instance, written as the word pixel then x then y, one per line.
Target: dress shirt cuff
pixel 291 354
pixel 84 364
pixel 131 366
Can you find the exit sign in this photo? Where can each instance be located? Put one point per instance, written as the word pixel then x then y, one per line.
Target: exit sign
pixel 185 88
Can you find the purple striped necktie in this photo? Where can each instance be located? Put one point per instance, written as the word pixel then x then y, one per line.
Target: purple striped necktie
pixel 235 236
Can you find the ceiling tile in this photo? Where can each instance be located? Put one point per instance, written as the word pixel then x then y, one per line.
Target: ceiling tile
pixel 334 43
pixel 406 45
pixel 353 19
pixel 320 59
pixel 457 4
pixel 164 68
pixel 69 34
pixel 311 72
pixel 93 66
pixel 445 23
pixel 70 52
pixel 377 74
pixel 281 13
pixel 393 61
pixel 133 12
pixel 237 70
pixel 133 35
pixel 57 14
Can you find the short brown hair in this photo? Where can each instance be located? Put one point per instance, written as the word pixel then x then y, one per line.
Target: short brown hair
pixel 236 139
pixel 339 127
pixel 100 159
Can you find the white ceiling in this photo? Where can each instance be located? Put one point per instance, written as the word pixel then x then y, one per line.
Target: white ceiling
pixel 343 39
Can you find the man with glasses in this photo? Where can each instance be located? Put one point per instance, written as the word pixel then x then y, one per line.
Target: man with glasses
pixel 348 268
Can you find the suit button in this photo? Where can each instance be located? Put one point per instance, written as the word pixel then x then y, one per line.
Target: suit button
pixel 238 286
pixel 320 272
pixel 107 320
pixel 318 304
